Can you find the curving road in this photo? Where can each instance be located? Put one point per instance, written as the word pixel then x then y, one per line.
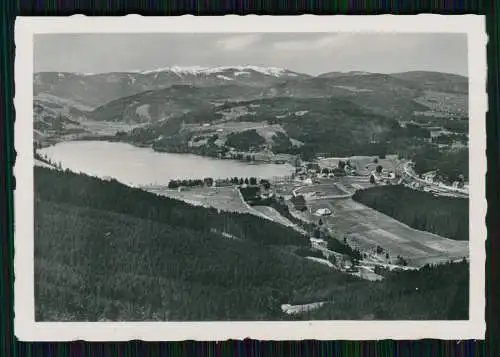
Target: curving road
pixel 455 192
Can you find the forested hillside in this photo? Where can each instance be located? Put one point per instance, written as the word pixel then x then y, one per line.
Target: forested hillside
pixel 105 251
pixel 333 125
pixel 89 192
pixel 446 216
pixel 443 290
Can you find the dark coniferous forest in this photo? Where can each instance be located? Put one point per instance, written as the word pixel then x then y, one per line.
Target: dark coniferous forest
pixel 446 216
pixel 105 251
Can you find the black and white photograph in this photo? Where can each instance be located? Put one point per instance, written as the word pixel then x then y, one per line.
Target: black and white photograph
pixel 317 180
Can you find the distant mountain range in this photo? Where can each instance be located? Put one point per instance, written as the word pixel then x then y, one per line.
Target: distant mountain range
pixel 165 100
pixel 97 89
pixel 93 90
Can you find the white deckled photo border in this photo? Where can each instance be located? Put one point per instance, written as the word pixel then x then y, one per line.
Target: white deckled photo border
pixel 27 329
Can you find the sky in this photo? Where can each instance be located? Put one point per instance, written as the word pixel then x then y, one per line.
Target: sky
pixel 311 53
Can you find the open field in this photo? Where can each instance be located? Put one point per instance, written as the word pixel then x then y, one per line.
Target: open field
pixel 353 183
pixel 235 127
pixel 225 199
pixel 337 186
pixel 366 228
pixel 364 164
pixel 447 103
pixel 106 128
pixel 317 191
pixel 267 131
pixel 222 198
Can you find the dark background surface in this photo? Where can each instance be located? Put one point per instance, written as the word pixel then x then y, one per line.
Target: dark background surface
pixel 9 346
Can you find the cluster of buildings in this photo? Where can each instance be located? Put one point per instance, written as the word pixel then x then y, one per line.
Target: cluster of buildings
pixel 433 183
pixel 383 177
pixel 433 177
pixel 311 171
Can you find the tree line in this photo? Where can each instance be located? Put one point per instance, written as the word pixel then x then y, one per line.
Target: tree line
pixel 209 181
pixel 446 216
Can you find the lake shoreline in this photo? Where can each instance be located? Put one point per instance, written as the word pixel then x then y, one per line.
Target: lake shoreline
pixel 120 159
pixel 255 157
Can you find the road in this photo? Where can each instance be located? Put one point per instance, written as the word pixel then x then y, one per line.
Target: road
pixel 437 188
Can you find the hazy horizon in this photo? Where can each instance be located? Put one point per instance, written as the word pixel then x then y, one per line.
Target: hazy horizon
pixel 315 75
pixel 308 53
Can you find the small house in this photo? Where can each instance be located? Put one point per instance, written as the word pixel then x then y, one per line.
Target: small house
pixel 347 262
pixel 323 212
pixel 308 181
pixel 458 185
pixel 375 178
pixel 265 195
pixel 318 243
pixel 429 176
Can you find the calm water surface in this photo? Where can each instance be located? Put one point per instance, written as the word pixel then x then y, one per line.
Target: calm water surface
pixel 142 166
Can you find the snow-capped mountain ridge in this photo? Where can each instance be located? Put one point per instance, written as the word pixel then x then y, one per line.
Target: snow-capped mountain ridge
pixel 98 89
pixel 241 69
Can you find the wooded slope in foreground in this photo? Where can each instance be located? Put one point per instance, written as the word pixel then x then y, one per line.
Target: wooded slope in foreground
pixel 107 251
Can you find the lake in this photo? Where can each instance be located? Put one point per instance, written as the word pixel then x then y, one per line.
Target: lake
pixel 142 166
